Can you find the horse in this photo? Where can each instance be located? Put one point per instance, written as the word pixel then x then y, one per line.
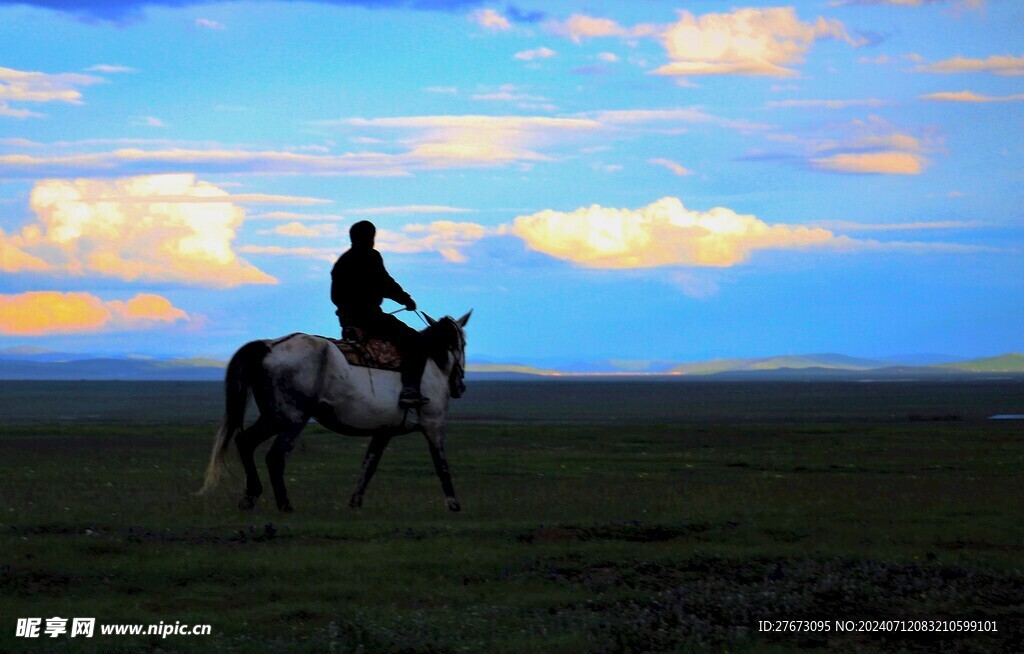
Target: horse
pixel 299 377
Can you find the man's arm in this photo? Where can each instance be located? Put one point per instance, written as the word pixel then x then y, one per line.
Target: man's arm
pixel 390 288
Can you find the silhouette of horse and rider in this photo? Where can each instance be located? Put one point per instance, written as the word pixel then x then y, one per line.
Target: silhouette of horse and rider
pixel 300 377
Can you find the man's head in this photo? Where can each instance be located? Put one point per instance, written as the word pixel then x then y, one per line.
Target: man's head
pixel 362 234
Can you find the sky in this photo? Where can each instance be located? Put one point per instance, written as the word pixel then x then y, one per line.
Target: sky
pixel 647 180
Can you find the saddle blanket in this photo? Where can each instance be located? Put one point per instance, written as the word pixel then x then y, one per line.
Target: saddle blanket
pixel 371 353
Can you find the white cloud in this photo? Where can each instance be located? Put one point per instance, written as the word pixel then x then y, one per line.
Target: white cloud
pixel 408 209
pixel 997 64
pixel 138 228
pixel 491 20
pixel 149 121
pixel 826 104
pixel 26 86
pixel 110 69
pixel 579 27
pixel 301 230
pixel 209 24
pixel 426 143
pixel 537 53
pixel 675 167
pixel 447 238
pixel 749 41
pixel 667 234
pixel 849 226
pixel 664 233
pixel 38 313
pixel 608 57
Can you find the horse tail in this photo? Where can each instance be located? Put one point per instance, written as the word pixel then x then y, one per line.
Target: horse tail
pixel 237 386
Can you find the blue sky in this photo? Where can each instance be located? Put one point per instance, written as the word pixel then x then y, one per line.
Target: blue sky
pixel 629 180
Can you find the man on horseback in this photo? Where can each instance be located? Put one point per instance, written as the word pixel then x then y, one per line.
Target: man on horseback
pixel 359 283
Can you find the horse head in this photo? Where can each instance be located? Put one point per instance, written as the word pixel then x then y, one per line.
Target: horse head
pixel 453 337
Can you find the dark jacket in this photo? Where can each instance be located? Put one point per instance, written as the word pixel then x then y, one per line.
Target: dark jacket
pixel 359 283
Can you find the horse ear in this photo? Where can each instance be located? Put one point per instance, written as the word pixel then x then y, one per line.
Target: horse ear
pixel 430 321
pixel 464 319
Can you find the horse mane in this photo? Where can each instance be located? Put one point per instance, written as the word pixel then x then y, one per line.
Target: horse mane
pixel 440 338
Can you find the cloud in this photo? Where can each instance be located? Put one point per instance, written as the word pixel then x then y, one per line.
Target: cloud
pixel 679 115
pixel 38 313
pixel 826 104
pixel 536 53
pixel 138 228
pixel 122 11
pixel 997 64
pixel 427 143
pixel 149 121
pixel 110 69
pixel 748 41
pixel 676 168
pixel 408 209
pixel 447 238
pixel 11 112
pixel 579 27
pixel 667 234
pixel 970 96
pixel 848 226
pixel 490 19
pixel 871 146
pixel 968 4
pixel 27 86
pixel 474 140
pixel 14 259
pixel 206 23
pixel 301 230
pixel 881 163
pixel 608 57
pixel 664 233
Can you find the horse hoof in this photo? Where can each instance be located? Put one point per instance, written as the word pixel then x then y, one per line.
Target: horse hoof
pixel 453 504
pixel 355 502
pixel 247 503
pixel 285 508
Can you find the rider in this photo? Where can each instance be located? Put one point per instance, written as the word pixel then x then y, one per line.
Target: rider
pixel 359 283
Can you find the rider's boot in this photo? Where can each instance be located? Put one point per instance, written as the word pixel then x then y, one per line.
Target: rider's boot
pixel 411 398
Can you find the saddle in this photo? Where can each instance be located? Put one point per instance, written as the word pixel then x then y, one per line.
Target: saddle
pixel 367 352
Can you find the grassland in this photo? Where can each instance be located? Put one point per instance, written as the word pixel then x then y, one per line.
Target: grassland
pixel 597 517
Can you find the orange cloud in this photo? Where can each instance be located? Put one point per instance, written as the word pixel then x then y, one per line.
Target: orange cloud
pixel 998 64
pixel 39 313
pixel 969 96
pixel 156 227
pixel 890 162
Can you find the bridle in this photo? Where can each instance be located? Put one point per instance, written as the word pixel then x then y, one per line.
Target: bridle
pixel 456 383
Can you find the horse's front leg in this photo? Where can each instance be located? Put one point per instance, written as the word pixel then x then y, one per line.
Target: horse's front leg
pixel 373 453
pixel 435 440
pixel 279 451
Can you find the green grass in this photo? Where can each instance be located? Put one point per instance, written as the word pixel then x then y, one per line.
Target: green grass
pixel 576 537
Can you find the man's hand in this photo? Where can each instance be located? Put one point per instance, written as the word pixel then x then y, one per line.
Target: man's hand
pixel 410 304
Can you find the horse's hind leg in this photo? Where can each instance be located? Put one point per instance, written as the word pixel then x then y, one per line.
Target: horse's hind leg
pixel 247 442
pixel 279 451
pixel 373 454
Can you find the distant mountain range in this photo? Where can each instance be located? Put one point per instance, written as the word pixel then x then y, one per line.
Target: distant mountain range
pixel 38 363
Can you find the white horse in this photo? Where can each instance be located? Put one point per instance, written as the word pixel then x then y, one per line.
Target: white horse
pixel 299 377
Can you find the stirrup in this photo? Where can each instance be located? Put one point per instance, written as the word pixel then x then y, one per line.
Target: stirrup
pixel 411 399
